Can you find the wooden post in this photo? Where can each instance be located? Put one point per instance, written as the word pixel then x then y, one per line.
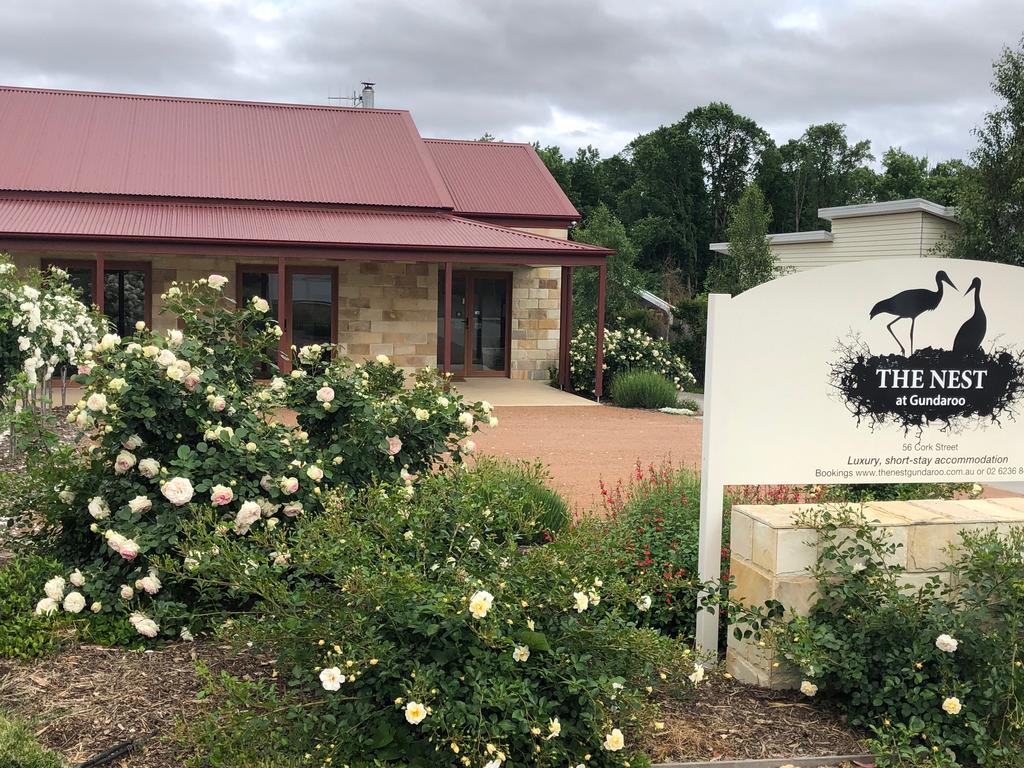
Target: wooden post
pixel 565 331
pixel 602 275
pixel 446 363
pixel 100 282
pixel 284 351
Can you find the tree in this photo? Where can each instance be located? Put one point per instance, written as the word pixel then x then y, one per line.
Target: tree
pixel 992 195
pixel 819 172
pixel 731 147
pixel 664 208
pixel 604 228
pixel 904 176
pixel 750 261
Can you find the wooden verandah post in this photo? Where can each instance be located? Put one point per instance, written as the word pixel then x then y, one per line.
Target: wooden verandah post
pixel 602 272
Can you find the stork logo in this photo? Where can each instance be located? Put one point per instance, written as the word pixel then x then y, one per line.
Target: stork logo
pixel 954 382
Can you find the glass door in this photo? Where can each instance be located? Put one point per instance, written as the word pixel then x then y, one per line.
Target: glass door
pixel 481 322
pixel 310 306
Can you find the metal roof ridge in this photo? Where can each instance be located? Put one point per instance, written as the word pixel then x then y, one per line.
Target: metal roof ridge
pixel 533 235
pixel 199 100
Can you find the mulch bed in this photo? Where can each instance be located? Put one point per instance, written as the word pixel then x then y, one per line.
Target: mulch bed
pixel 66 433
pixel 90 698
pixel 726 720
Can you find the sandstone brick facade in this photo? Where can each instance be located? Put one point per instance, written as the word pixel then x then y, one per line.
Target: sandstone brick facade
pixel 388 308
pixel 771 556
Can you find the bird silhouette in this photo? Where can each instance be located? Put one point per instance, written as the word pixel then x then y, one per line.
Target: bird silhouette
pixel 972 332
pixel 911 304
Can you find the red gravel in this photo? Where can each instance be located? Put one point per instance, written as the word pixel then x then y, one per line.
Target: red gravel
pixel 583 445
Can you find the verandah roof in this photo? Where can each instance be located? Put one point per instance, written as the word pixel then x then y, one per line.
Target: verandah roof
pixel 271 225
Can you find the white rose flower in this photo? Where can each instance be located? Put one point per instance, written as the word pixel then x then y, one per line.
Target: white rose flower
pixel 952 706
pixel 97 402
pixel 415 713
pixel 260 304
pixel 77 578
pixel 421 414
pixel 331 678
pixel 466 419
pixel 166 358
pixel 614 741
pixel 217 281
pixel 66 496
pixel 46 606
pixel 147 628
pixel 582 601
pixel 383 359
pixel 644 603
pixel 187 635
pixel 249 513
pixel 124 462
pixel 521 653
pixel 140 504
pixel 74 602
pixel 807 688
pixel 175 338
pixel 946 643
pixel 126 592
pixel 178 491
pixel 698 674
pixel 315 473
pixel 480 603
pixel 149 468
pixel 96 607
pixel 554 728
pixel 54 588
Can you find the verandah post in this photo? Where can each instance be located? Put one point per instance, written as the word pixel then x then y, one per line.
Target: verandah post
pixel 602 274
pixel 283 344
pixel 100 280
pixel 565 330
pixel 447 355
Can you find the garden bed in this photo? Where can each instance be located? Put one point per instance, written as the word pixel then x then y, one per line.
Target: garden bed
pixel 89 699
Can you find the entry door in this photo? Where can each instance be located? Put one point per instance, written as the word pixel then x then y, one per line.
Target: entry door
pixel 481 323
pixel 310 308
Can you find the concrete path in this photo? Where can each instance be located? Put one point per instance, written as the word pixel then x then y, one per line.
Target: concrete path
pixel 499 392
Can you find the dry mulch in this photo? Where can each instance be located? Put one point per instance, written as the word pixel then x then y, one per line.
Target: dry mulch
pixel 66 433
pixel 91 698
pixel 726 720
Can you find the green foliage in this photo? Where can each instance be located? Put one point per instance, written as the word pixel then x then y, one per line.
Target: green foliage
pixel 643 389
pixel 604 228
pixel 897 492
pixel 624 349
pixel 750 261
pixel 23 633
pixel 179 426
pixel 19 747
pixel 993 193
pixel 386 604
pixel 517 494
pixel 883 650
pixel 689 334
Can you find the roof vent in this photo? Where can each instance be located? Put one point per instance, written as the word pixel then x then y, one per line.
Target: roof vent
pixel 366 100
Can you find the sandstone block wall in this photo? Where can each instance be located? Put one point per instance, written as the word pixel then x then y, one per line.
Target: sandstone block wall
pixel 771 556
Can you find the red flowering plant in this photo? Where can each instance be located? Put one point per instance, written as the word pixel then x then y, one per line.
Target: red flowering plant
pixel 653 520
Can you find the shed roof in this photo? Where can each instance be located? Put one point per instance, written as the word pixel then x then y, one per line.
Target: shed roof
pixel 501 179
pixel 119 144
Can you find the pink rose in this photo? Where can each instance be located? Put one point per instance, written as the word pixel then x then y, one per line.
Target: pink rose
pixel 394 445
pixel 191 382
pixel 221 495
pixel 85 370
pixel 129 549
pixel 325 394
pixel 289 484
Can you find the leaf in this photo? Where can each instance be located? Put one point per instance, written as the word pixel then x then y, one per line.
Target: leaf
pixel 535 640
pixel 383 735
pixel 183 452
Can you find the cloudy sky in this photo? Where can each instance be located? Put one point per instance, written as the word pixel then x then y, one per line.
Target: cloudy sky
pixel 913 73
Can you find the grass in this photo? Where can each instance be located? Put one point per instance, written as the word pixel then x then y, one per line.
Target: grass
pixel 20 749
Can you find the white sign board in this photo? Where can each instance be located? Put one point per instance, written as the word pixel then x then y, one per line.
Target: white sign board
pixel 886 371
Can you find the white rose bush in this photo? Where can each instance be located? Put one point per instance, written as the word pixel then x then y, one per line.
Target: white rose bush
pixel 931 670
pixel 624 349
pixel 179 427
pixel 421 631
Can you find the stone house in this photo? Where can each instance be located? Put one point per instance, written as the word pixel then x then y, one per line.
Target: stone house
pixel 357 230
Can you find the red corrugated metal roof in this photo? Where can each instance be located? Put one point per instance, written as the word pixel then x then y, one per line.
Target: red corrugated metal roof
pixel 262 224
pixel 499 179
pixel 65 141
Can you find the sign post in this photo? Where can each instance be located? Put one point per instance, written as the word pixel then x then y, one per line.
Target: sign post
pixel 883 371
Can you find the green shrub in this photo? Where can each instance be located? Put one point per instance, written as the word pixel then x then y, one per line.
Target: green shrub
pixel 179 426
pixel 643 389
pixel 689 333
pixel 528 655
pixel 23 633
pixel 518 493
pixel 20 749
pixel 624 349
pixel 937 667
